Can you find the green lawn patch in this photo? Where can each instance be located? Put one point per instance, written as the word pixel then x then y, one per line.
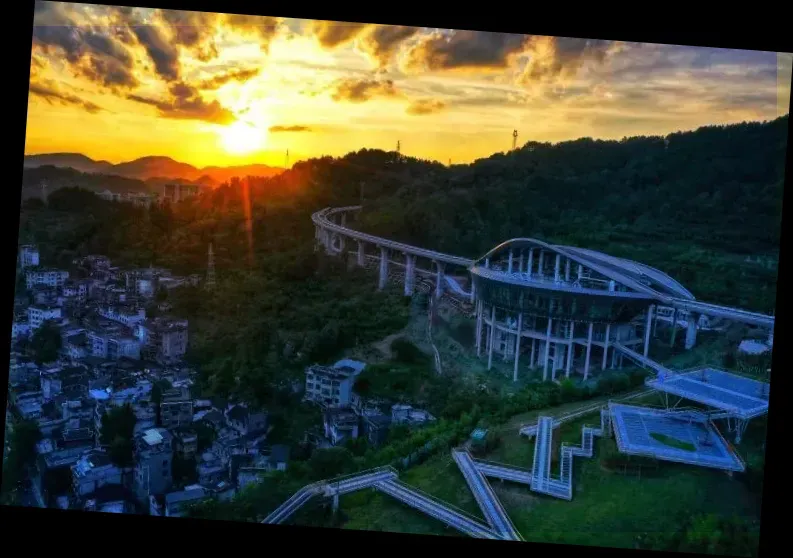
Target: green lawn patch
pixel 672 442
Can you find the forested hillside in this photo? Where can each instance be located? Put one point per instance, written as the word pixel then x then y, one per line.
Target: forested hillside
pixel 695 207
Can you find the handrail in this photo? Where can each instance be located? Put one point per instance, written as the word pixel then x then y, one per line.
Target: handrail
pixel 438 501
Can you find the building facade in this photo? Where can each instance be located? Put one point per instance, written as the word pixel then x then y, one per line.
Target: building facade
pixel 38 314
pixel 46 277
pixel 332 386
pixel 28 256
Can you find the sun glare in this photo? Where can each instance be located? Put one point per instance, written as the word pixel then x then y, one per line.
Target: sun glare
pixel 241 138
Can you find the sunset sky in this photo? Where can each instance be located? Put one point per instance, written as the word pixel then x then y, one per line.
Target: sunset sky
pixel 211 89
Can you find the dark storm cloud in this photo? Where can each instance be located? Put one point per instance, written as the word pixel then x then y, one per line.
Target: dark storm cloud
pixel 331 34
pixel 161 51
pixel 264 28
pixel 362 90
pixel 464 50
pixel 559 58
pixel 186 103
pixel 382 42
pixel 50 92
pixel 290 129
pixel 193 30
pixel 425 106
pixel 234 75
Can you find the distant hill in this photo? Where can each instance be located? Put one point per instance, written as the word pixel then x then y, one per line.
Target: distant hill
pixel 160 169
pixel 60 177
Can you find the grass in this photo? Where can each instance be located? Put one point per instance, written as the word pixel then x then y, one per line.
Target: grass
pixel 672 442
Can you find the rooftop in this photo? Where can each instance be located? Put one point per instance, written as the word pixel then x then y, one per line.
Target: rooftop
pixel 679 436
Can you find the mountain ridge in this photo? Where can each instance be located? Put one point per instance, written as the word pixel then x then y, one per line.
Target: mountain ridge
pixel 154 167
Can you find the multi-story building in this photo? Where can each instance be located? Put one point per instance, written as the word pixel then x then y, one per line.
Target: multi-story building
pixel 113 345
pixel 176 408
pixel 28 256
pixel 246 421
pixel 186 443
pixel 165 339
pixel 38 314
pixel 332 386
pixel 340 425
pixel 153 467
pixel 92 471
pixel 46 276
pixel 123 314
pixel 76 289
pixel 176 192
pixel 20 329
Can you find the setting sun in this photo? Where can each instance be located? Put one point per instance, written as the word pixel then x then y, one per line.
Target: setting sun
pixel 241 138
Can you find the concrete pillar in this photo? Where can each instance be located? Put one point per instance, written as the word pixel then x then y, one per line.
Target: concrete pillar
pixel 473 290
pixel 361 254
pixel 487 263
pixel 478 328
pixel 383 268
pixel 580 272
pixel 439 282
pixel 336 496
pixel 520 262
pixel 557 267
pixel 533 346
pixel 517 347
pixel 613 359
pixel 588 351
pixel 492 332
pixel 410 274
pixel 569 361
pixel 509 264
pixel 343 220
pixel 674 328
pixel 547 345
pixel 540 263
pixel 606 347
pixel 530 263
pixel 648 329
pixel 691 330
pixel 567 270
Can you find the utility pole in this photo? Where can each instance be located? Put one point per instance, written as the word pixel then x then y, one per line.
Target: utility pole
pixel 210 282
pixel 399 147
pixel 286 165
pixel 514 140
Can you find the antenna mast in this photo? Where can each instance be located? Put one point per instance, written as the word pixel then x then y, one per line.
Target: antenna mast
pixel 287 159
pixel 210 282
pixel 514 140
pixel 399 146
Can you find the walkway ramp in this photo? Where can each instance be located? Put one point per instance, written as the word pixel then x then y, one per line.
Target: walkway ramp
pixel 541 469
pixel 433 507
pixel 504 472
pixel 345 485
pixel 297 501
pixel 488 502
pixel 642 360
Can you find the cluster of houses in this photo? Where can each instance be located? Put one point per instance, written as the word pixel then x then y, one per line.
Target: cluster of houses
pixel 346 415
pixel 171 193
pixel 112 355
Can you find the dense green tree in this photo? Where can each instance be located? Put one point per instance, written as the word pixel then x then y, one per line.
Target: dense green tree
pixel 22 441
pixel 116 433
pixel 46 343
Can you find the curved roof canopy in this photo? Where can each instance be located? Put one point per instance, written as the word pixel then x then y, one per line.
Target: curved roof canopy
pixel 639 277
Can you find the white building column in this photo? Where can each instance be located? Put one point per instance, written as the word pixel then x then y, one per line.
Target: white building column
pixel 540 263
pixel 588 351
pixel 557 267
pixel 487 263
pixel 648 329
pixel 567 270
pixel 343 220
pixel 473 290
pixel 492 335
pixel 533 347
pixel 530 263
pixel 691 330
pixel 383 268
pixel 410 274
pixel 674 328
pixel 606 347
pixel 580 272
pixel 509 263
pixel 517 347
pixel 520 261
pixel 361 254
pixel 439 282
pixel 569 361
pixel 478 328
pixel 547 345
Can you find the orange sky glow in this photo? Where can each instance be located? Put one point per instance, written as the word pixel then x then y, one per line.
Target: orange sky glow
pixel 119 83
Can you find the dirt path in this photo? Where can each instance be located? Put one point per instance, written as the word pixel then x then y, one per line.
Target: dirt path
pixel 384 345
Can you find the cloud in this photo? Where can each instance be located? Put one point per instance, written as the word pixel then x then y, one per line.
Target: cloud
pixel 87 51
pixel 235 75
pixel 264 28
pixel 193 30
pixel 290 129
pixel 160 49
pixel 425 106
pixel 49 91
pixel 382 42
pixel 332 34
pixel 559 59
pixel 464 50
pixel 362 90
pixel 185 103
